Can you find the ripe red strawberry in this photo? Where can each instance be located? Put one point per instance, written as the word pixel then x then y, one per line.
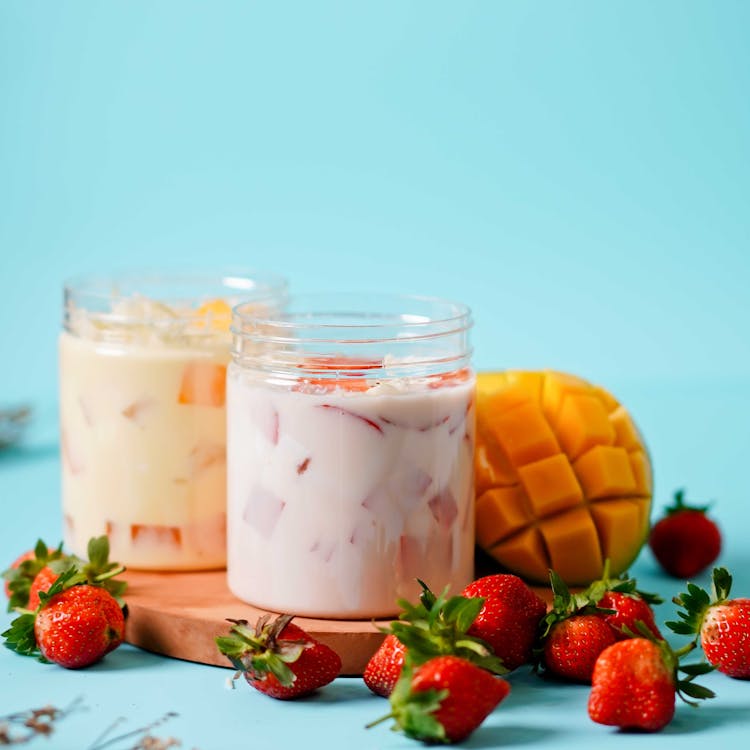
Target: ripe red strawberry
pixel 629 610
pixel 444 700
pixel 686 540
pixel 78 626
pixel 433 627
pixel 509 619
pixel 384 668
pixel 629 605
pixel 635 683
pixel 42 582
pixel 278 658
pixel 22 571
pixel 75 625
pixel 573 633
pixel 723 624
pixel 573 645
pixel 633 686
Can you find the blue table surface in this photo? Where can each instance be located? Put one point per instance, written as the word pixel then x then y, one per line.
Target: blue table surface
pixel 698 436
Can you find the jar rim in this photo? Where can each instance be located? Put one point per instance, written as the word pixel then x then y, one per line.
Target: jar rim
pixel 415 316
pixel 106 286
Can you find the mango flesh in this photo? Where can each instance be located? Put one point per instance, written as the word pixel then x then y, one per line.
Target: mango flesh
pixel 563 477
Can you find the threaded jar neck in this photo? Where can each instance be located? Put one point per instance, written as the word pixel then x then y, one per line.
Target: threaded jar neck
pixel 336 337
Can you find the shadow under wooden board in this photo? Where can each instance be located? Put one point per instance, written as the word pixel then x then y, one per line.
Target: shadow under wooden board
pixel 180 614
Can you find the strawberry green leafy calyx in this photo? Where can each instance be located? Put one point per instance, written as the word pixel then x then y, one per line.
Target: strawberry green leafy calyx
pixel 622 584
pixel 627 603
pixel 695 603
pixel 279 658
pixel 565 604
pixel 100 571
pixel 20 575
pixel 438 626
pixel 261 650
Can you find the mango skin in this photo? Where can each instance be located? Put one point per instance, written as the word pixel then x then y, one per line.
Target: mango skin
pixel 563 477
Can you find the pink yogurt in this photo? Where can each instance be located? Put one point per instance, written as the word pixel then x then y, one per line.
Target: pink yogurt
pixel 347 483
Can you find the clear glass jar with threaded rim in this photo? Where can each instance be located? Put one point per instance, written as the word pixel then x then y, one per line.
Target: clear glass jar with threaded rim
pixel 350 437
pixel 143 359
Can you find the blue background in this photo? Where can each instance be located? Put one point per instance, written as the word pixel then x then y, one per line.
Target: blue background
pixel 577 172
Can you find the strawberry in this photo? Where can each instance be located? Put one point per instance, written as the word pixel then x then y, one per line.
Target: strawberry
pixel 580 626
pixel 573 645
pixel 384 667
pixel 686 540
pixel 628 609
pixel 74 626
pixel 22 571
pixel 635 682
pixel 444 700
pixel 509 618
pixel 572 634
pixel 628 605
pixel 433 627
pixel 278 658
pixel 721 623
pixel 42 582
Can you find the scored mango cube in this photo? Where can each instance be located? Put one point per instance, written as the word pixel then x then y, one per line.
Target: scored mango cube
pixel 557 386
pixel 626 433
pixel 573 544
pixel 523 553
pixel 502 509
pixel 551 485
pixel 523 433
pixel 620 527
pixel 582 423
pixel 605 471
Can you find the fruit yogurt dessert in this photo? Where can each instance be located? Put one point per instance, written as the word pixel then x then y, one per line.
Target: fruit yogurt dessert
pixel 350 455
pixel 142 414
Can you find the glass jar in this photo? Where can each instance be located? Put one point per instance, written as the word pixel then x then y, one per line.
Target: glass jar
pixel 350 436
pixel 142 412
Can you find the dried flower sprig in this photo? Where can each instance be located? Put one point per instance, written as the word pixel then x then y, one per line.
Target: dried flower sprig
pixel 23 726
pixel 142 735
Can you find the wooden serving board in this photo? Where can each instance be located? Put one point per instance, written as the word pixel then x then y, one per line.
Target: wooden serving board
pixel 180 614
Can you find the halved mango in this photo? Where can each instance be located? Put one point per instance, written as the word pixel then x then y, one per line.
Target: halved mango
pixel 563 476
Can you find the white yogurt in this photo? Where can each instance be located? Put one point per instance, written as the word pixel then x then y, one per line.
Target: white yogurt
pixel 143 430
